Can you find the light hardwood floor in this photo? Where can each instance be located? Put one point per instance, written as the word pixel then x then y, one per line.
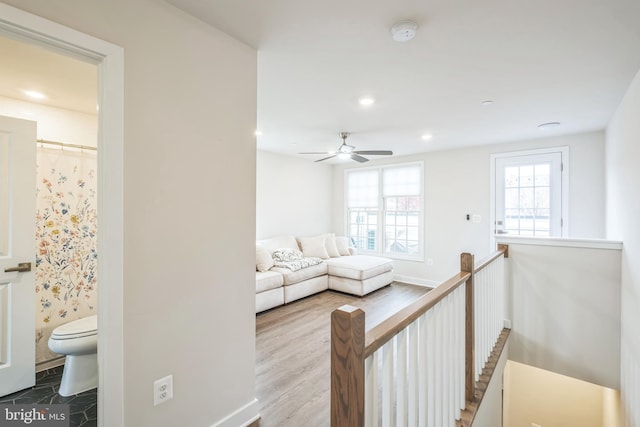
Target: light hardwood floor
pixel 293 352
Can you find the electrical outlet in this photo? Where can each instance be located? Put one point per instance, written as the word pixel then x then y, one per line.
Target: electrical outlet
pixel 162 390
pixel 477 219
pixel 429 262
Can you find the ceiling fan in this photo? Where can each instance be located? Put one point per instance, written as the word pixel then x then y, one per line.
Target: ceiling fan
pixel 348 152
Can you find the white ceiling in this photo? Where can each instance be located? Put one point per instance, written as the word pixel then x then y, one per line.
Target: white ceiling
pixel 66 82
pixel 540 61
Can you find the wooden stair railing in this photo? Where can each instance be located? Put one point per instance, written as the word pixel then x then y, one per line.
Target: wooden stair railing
pixel 446 351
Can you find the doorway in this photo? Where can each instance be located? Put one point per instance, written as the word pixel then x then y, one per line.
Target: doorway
pixel 60 94
pixel 110 62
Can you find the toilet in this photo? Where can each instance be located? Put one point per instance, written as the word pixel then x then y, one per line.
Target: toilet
pixel 78 340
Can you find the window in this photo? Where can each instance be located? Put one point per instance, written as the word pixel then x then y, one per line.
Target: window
pixel 530 193
pixel 384 210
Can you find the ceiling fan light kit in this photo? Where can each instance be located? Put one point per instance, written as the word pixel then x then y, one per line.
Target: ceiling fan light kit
pixel 348 152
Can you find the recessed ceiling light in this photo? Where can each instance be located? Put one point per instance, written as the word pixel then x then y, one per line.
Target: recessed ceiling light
pixel 487 102
pixel 548 126
pixel 33 94
pixel 427 136
pixel 366 101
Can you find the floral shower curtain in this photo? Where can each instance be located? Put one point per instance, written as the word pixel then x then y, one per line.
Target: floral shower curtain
pixel 66 228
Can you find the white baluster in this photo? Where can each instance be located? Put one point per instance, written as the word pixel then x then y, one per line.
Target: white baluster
pixel 401 378
pixel 371 390
pixel 387 384
pixel 423 375
pixel 431 368
pixel 477 296
pixel 438 355
pixel 412 392
pixel 457 351
pixel 451 359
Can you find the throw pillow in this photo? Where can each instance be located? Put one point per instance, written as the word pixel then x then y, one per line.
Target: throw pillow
pixel 342 243
pixel 263 259
pixel 313 247
pixel 330 245
pixel 286 255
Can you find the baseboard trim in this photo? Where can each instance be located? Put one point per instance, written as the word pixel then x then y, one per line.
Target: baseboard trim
pixel 51 363
pixel 242 417
pixel 416 281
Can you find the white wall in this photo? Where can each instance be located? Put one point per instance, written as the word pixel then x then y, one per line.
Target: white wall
pixel 533 395
pixel 623 213
pixel 189 179
pixel 54 124
pixel 293 196
pixel 457 183
pixel 565 307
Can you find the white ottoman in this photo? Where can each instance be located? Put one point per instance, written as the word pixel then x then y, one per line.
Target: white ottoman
pixel 359 274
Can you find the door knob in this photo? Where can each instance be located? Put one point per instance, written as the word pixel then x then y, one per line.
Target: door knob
pixel 21 268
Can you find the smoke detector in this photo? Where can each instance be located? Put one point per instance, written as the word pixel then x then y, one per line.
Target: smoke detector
pixel 404 31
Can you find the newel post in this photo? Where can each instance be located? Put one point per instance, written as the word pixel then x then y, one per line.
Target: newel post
pixel 505 248
pixel 347 367
pixel 467 266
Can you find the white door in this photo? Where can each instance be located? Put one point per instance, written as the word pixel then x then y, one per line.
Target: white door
pixel 528 194
pixel 17 249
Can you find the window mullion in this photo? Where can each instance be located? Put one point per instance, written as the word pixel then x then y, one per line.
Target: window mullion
pixel 381 214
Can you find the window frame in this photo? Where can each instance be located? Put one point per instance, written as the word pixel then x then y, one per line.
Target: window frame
pixel 381 211
pixel 522 155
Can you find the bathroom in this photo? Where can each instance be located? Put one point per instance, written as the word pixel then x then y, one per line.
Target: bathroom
pixel 66 257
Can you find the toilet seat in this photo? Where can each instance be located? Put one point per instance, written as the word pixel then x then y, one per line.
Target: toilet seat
pixel 80 328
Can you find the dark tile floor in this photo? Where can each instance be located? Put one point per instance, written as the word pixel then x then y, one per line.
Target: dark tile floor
pixel 83 407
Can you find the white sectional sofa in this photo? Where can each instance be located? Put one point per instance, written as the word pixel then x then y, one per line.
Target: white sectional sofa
pixel 339 268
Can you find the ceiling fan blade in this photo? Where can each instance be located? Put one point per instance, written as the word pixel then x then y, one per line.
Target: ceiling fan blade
pixel 375 152
pixel 326 158
pixel 315 152
pixel 359 158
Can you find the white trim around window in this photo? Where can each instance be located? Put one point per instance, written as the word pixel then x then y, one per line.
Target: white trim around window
pixel 522 158
pixel 390 202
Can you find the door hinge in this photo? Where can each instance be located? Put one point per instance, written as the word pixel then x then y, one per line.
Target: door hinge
pixel 561 222
pixel 561 166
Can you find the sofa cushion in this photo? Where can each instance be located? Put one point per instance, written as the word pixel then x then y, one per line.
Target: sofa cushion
pixel 269 299
pixel 342 243
pixel 313 246
pixel 305 288
pixel 358 267
pixel 291 277
pixel 330 244
pixel 268 280
pixel 264 261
